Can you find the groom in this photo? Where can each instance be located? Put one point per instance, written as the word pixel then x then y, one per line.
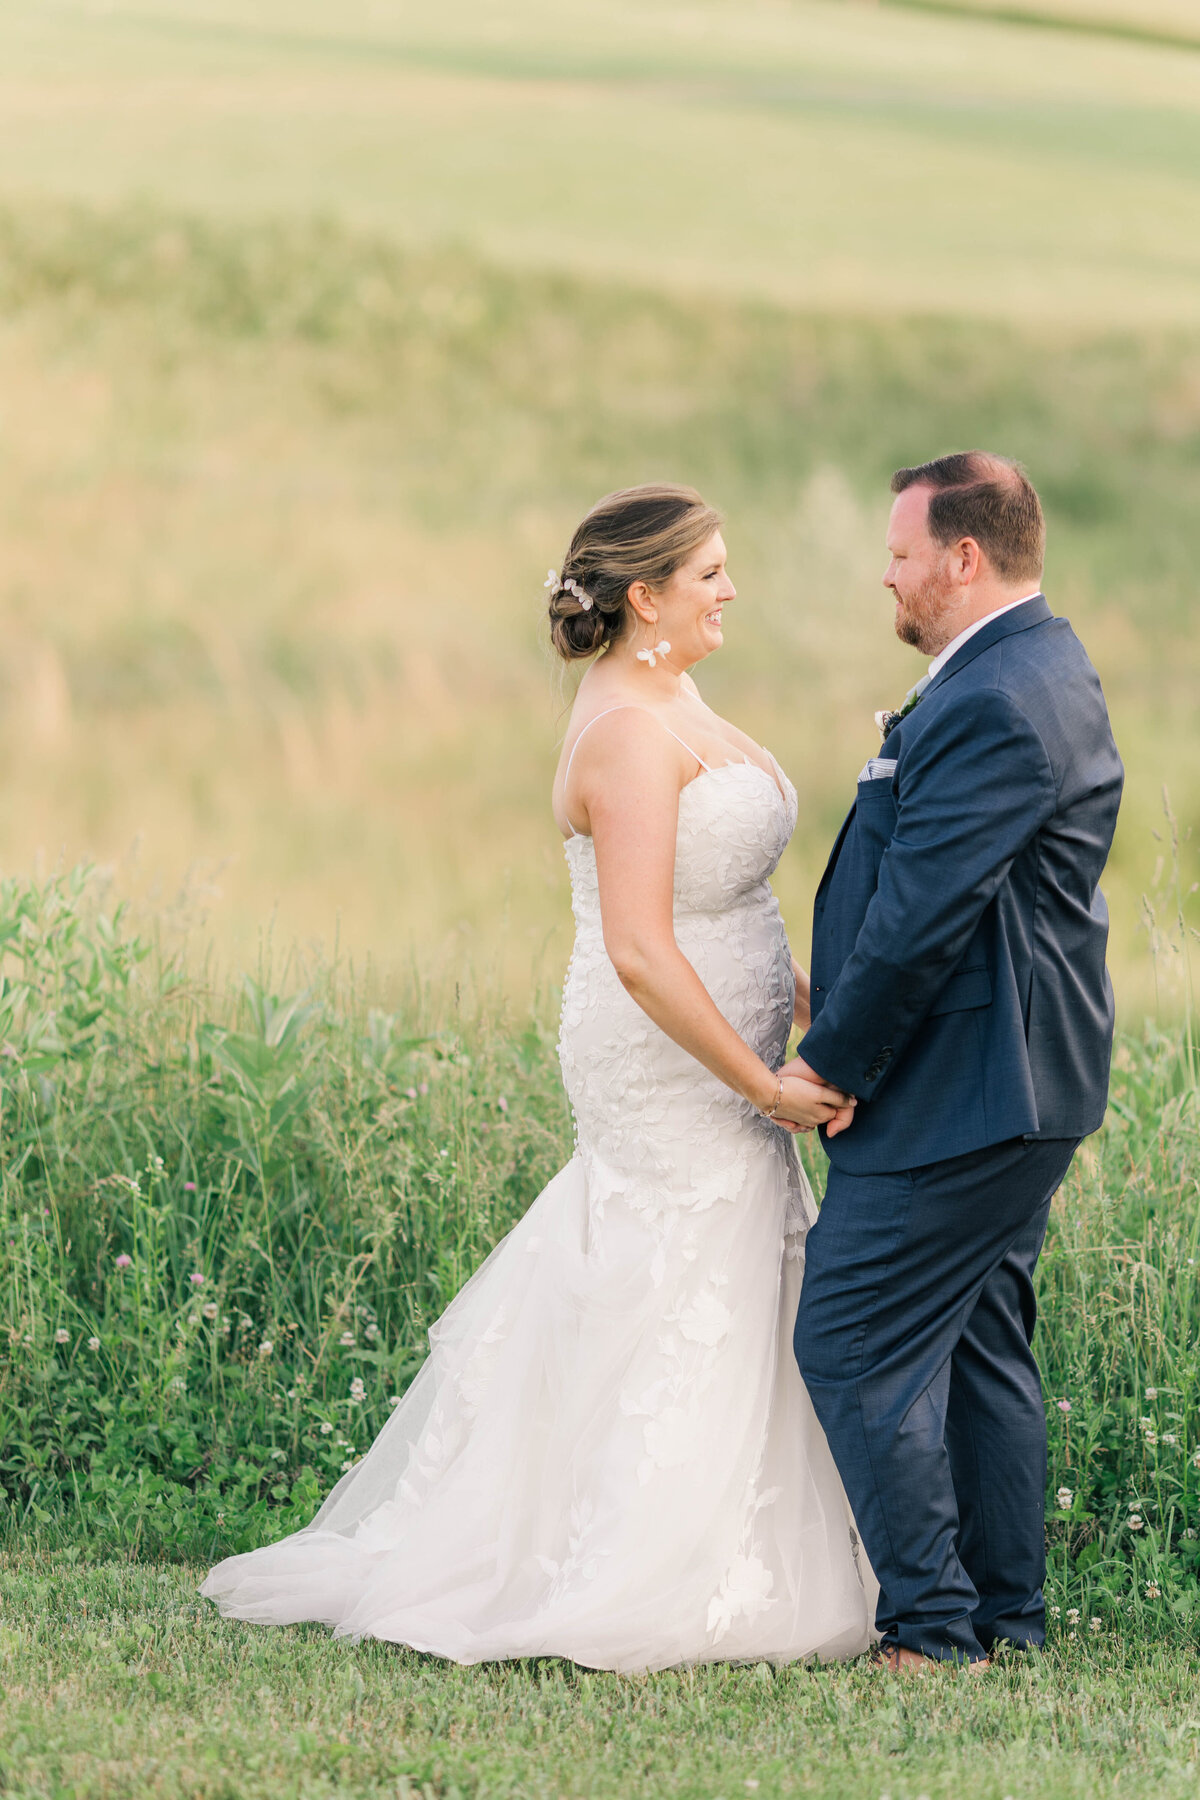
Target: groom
pixel 960 993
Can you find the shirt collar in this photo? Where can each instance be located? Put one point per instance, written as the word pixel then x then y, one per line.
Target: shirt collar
pixel 939 662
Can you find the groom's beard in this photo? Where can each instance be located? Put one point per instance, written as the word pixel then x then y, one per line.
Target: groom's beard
pixel 922 616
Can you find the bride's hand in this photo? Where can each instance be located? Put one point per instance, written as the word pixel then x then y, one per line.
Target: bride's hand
pixel 806 1104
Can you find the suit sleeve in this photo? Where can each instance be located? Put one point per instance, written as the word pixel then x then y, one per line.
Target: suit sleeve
pixel 974 788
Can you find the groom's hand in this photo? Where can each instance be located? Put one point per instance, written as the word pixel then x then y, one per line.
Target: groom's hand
pixel 843 1114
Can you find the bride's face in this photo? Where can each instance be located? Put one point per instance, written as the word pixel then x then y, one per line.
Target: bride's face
pixel 689 606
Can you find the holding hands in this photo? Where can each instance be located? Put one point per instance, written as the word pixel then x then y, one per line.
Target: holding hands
pixel 808 1101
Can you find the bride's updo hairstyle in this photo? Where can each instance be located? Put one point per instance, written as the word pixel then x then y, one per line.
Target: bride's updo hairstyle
pixel 637 534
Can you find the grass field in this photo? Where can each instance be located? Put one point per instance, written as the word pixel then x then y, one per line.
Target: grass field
pixel 220 1210
pixel 280 491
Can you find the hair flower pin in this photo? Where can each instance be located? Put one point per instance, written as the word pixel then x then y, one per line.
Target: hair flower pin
pixel 651 656
pixel 565 585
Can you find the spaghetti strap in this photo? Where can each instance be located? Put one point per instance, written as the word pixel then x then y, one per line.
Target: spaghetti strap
pixel 604 715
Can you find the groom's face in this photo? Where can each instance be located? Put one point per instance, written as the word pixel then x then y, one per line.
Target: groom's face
pixel 919 575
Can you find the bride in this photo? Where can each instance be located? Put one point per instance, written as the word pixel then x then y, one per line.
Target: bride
pixel 609 1454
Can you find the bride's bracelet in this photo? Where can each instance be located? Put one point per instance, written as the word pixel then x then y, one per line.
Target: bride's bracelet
pixel 768 1112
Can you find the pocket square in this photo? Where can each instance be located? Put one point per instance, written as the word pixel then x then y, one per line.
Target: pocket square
pixel 878 767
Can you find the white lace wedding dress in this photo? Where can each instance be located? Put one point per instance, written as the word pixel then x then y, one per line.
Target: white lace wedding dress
pixel 609 1454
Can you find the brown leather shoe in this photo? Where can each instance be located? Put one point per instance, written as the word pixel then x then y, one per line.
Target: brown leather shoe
pixel 899 1659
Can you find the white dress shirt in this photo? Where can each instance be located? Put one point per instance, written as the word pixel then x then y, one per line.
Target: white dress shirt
pixel 939 662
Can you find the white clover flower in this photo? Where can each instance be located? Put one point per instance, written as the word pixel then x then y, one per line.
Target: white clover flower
pixel 1152 1393
pixel 1153 1591
pixel 1056 1612
pixel 344 1444
pixel 1095 1624
pixel 372 1330
pixel 1063 1498
pixel 347 1339
pixel 62 1335
pixel 394 1399
pixel 93 1343
pixel 348 1464
pixel 210 1309
pixel 1150 1439
pixel 266 1347
pixel 246 1322
pixel 358 1390
pixel 1135 1521
pixel 179 1383
pixel 291 1393
pixel 1168 1437
pixel 1073 1615
pixel 324 1428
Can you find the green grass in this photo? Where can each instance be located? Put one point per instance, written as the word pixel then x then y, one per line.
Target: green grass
pixel 119 1682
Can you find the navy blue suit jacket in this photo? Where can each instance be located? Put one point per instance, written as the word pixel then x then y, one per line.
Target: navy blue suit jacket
pixel 959 983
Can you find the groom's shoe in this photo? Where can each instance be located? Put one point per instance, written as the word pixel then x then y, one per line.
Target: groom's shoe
pixel 898 1659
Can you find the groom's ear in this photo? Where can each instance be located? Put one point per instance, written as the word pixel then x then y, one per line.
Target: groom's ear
pixel 967 560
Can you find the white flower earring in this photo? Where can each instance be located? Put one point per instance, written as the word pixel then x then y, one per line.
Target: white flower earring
pixel 650 657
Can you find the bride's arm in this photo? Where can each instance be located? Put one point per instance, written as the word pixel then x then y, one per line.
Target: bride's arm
pixel 628 781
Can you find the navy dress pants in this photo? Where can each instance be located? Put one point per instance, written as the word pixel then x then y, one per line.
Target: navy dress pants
pixel 913 1338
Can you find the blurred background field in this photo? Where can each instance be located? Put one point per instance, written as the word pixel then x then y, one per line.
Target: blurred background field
pixel 318 331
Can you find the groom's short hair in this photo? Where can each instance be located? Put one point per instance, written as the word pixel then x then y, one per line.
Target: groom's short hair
pixel 979 495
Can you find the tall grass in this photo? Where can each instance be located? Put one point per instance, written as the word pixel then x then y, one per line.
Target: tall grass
pixel 228 1216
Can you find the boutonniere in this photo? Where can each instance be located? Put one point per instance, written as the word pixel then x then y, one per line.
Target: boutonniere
pixel 888 721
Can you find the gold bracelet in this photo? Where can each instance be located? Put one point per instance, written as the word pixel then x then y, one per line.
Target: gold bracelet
pixel 769 1113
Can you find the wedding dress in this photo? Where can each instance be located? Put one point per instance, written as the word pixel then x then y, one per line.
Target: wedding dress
pixel 609 1454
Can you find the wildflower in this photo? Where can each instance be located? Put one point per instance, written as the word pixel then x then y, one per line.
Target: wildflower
pixel 1153 1591
pixel 358 1391
pixel 1073 1615
pixel 348 1464
pixel 1095 1624
pixel 1152 1393
pixel 62 1335
pixel 324 1428
pixel 1150 1439
pixel 502 1103
pixel 189 1187
pixel 93 1343
pixel 1145 1423
pixel 347 1339
pixel 1169 1437
pixel 344 1444
pixel 210 1309
pixel 179 1383
pixel 226 1326
pixel 196 1278
pixel 1064 1406
pixel 123 1261
pixel 393 1399
pixel 266 1347
pixel 1196 1459
pixel 372 1330
pixel 1135 1521
pixel 291 1393
pixel 423 1089
pixel 1190 1532
pixel 1063 1498
pixel 1056 1612
pixel 246 1322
